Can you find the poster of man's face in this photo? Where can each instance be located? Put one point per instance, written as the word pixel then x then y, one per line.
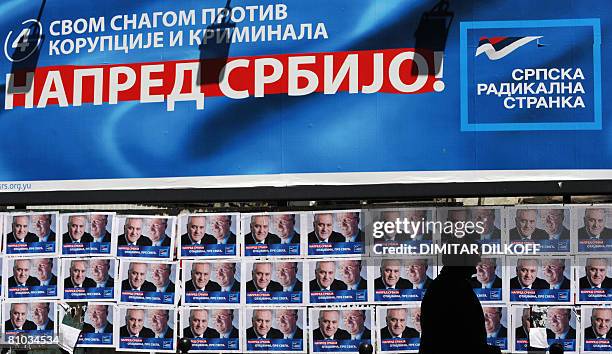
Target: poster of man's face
pixel 86 233
pixel 559 322
pixel 89 278
pixel 340 330
pixel 146 329
pixel 405 279
pixel 594 279
pixel 211 282
pixel 399 328
pixel 343 280
pixel 30 234
pixel 547 226
pixel 148 282
pixel 596 329
pixel 335 232
pixel 488 279
pixel 540 279
pixel 33 318
pixel 31 278
pixel 209 235
pixel 275 329
pixel 274 282
pixel 146 237
pixel 593 226
pixel 96 323
pixel 272 234
pixel 212 329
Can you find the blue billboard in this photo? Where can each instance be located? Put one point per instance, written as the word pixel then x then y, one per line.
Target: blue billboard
pixel 236 93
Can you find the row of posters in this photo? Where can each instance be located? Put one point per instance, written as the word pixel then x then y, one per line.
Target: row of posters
pixel 556 229
pixel 231 329
pixel 538 279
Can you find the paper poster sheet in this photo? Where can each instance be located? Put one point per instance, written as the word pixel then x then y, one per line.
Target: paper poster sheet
pixel 145 237
pixel 209 235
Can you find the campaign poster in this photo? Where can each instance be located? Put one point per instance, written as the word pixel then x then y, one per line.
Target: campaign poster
pixel 488 280
pixel 547 226
pixel 31 278
pixel 272 234
pixel 540 279
pixel 212 329
pixel 145 237
pixel 496 324
pixel 274 282
pixel 483 225
pixel 335 233
pixel 401 279
pixel 145 329
pixel 150 283
pixel 560 323
pixel 85 279
pixel 209 235
pixel 86 234
pixel 212 282
pixel 97 326
pixel 594 283
pixel 596 329
pixel 340 330
pixel 338 281
pixel 30 234
pixel 399 328
pixel 399 226
pixel 275 329
pixel 593 227
pixel 35 320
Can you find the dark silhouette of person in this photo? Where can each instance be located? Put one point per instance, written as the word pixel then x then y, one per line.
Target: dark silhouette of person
pixel 450 296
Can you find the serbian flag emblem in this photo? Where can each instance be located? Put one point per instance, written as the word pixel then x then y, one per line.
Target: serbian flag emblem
pixel 498 47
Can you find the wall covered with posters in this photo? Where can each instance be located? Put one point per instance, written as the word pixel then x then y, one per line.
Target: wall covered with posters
pixel 278 93
pixel 238 291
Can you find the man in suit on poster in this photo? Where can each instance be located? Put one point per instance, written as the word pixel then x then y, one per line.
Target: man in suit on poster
pixel 132 234
pixel 196 232
pixel 78 278
pixel 485 275
pixel 198 325
pixel 285 226
pixel 526 229
pixel 20 232
pixel 390 270
pixel 397 320
pixel 325 279
pixel 526 276
pixel 220 227
pixel 200 278
pixel 596 274
pixel 18 318
pixel 137 278
pixel 262 279
pixel 98 228
pixel 595 225
pixel 260 232
pixel 42 227
pixel 329 322
pixel 134 325
pixel 77 224
pixel 261 326
pixel 98 315
pixel 601 322
pixel 21 275
pixel 323 225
